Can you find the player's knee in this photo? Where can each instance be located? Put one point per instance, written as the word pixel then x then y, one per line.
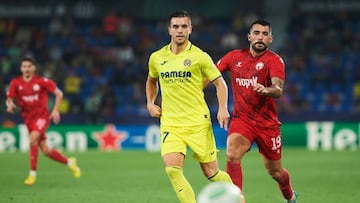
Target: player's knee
pixel 33 143
pixel 173 171
pixel 45 150
pixel 274 173
pixel 34 139
pixel 234 156
pixel 231 158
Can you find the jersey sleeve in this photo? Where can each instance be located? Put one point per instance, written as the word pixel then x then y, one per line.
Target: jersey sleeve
pixel 153 73
pixel 48 84
pixel 278 68
pixel 222 64
pixel 209 68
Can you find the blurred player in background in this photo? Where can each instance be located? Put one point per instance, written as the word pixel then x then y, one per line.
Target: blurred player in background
pixel 31 94
pixel 181 69
pixel 257 78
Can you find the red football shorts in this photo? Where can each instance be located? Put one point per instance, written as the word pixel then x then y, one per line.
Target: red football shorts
pixel 39 124
pixel 267 139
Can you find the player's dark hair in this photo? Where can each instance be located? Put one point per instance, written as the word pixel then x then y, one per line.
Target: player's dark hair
pixel 260 22
pixel 28 58
pixel 179 13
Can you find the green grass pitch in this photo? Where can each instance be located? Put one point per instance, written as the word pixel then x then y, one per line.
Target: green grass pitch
pixel 139 177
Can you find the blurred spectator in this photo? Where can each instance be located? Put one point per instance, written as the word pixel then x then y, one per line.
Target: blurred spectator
pixel 108 101
pixel 55 52
pixel 72 85
pixel 48 69
pixel 7 27
pixel 5 65
pixel 92 106
pixel 122 74
pixel 110 22
pixel 125 25
pixel 55 25
pixel 125 53
pixel 72 90
pixel 229 41
pixel 64 105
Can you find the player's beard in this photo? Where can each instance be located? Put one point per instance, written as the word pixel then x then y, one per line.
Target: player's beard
pixel 259 49
pixel 179 41
pixel 28 75
pixel 179 44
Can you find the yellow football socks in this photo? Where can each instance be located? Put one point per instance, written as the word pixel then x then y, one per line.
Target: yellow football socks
pixel 182 187
pixel 220 176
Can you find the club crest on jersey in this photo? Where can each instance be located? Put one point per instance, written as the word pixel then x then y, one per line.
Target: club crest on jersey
pixel 36 87
pixel 259 66
pixel 187 62
pixel 238 64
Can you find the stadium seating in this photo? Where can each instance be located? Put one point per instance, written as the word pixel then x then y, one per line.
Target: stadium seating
pixel 322 62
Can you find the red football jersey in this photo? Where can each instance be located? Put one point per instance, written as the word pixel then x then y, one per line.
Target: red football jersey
pixel 31 96
pixel 247 70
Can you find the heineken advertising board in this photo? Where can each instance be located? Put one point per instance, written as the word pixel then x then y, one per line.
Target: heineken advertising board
pixel 110 137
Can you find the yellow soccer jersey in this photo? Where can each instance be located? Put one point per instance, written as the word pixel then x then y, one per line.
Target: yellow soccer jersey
pixel 181 78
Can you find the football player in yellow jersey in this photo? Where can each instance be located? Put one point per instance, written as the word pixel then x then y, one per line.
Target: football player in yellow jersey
pixel 182 69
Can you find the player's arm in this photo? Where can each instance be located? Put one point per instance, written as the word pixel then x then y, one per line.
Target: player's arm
pixel 221 65
pixel 55 114
pixel 223 115
pixel 206 83
pixel 10 95
pixel 151 94
pixel 275 90
pixel 10 105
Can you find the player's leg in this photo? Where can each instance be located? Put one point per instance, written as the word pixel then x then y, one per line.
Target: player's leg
pixel 239 142
pixel 270 146
pixel 237 146
pixel 35 126
pixel 202 143
pixel 213 173
pixel 50 152
pixel 33 155
pixel 34 149
pixel 282 177
pixel 174 169
pixel 59 157
pixel 173 151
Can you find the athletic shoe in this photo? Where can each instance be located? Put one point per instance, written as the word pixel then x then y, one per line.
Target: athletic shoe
pixel 294 199
pixel 30 180
pixel 74 167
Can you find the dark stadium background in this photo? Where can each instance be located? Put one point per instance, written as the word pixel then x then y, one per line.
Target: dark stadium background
pixel 319 41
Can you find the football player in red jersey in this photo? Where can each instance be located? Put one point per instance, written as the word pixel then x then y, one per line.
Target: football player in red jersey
pixel 30 92
pixel 257 78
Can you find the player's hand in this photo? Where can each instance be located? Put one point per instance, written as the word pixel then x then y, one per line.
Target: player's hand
pixel 259 88
pixel 223 117
pixel 154 110
pixel 10 107
pixel 55 116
